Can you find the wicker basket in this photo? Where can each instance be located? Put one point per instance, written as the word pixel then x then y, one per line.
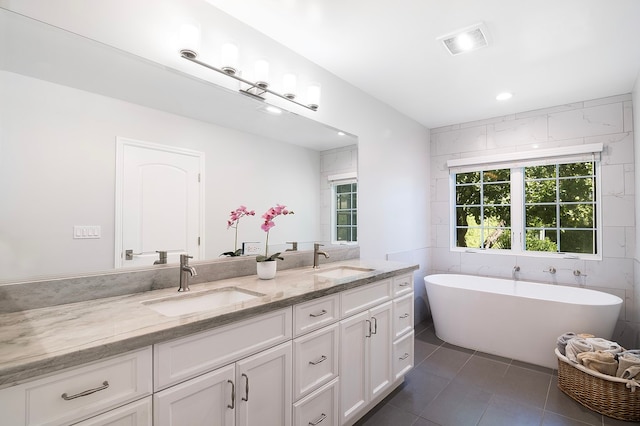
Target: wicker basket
pixel 607 395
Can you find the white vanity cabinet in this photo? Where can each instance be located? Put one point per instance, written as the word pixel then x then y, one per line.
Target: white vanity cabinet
pixel 365 359
pixel 238 374
pixel 376 343
pixel 77 393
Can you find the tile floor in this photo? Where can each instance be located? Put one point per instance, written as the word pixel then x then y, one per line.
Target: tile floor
pixel 454 386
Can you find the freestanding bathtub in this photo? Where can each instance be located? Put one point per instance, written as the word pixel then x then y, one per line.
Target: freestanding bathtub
pixel 516 319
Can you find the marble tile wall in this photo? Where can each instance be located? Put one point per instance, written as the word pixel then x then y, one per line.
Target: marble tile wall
pixel 607 120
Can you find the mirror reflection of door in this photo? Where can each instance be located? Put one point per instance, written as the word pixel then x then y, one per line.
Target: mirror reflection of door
pixel 159 202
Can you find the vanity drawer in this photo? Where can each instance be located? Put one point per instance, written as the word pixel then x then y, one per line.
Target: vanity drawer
pixel 315 313
pixel 402 284
pixel 319 408
pixel 403 355
pixel 362 298
pixel 80 392
pixel 134 414
pixel 402 315
pixel 315 358
pixel 181 359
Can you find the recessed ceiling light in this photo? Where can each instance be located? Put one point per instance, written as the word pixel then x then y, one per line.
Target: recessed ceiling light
pixel 341 133
pixel 465 40
pixel 504 96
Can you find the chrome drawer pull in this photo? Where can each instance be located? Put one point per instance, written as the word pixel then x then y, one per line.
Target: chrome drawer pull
pixel 369 335
pixel 322 312
pixel 403 357
pixel 404 284
pixel 375 325
pixel 404 316
pixel 321 418
pixel 105 385
pixel 233 395
pixel 322 358
pixel 246 389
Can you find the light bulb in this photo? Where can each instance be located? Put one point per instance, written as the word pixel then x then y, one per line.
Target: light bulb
pixel 262 73
pixel 313 96
pixel 189 39
pixel 289 82
pixel 230 58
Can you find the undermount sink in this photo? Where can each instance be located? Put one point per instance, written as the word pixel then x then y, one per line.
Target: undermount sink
pixel 188 303
pixel 343 272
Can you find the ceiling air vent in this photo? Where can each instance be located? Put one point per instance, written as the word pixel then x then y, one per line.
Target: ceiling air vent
pixel 465 40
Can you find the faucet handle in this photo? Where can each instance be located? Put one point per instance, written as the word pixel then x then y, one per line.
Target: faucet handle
pixel 184 259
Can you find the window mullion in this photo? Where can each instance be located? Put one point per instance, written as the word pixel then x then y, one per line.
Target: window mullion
pixel 517 210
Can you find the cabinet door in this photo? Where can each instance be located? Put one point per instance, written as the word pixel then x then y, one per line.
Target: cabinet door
pixel 380 362
pixel 355 332
pixel 263 392
pixel 203 401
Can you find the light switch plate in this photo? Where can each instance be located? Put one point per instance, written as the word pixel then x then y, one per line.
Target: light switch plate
pixel 251 248
pixel 86 231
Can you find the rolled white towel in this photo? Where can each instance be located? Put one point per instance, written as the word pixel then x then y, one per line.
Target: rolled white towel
pixel 628 365
pixel 562 341
pixel 575 346
pixel 604 345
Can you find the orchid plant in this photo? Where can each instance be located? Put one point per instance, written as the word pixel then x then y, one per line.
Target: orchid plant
pixel 266 226
pixel 233 222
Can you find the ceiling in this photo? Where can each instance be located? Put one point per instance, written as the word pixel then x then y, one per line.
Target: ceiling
pixel 546 52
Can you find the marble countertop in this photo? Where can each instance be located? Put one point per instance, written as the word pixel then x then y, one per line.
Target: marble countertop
pixel 40 341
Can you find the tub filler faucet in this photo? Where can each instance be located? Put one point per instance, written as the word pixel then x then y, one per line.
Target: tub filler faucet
pixel 186 271
pixel 516 269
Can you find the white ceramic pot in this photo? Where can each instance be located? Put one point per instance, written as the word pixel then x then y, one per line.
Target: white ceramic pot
pixel 266 270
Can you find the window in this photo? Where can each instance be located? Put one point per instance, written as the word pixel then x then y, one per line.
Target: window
pixel 533 205
pixel 483 209
pixel 560 208
pixel 346 212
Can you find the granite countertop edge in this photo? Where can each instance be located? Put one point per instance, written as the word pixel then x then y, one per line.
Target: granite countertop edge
pixel 38 361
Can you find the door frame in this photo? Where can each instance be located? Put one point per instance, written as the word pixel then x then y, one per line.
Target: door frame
pixel 121 142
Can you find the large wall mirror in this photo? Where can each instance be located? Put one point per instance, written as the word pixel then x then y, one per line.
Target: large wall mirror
pixel 65 100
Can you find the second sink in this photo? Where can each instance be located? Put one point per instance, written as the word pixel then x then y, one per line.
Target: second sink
pixel 187 303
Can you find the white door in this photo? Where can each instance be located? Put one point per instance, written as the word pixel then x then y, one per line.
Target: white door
pixel 207 400
pixel 159 200
pixel 263 388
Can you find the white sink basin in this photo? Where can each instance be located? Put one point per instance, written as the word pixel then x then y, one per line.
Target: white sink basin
pixel 342 272
pixel 187 303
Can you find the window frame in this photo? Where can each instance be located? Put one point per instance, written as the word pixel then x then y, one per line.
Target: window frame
pixel 334 210
pixel 516 162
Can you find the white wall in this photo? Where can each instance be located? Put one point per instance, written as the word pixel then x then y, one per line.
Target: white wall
pixel 57 170
pixel 636 263
pixel 607 120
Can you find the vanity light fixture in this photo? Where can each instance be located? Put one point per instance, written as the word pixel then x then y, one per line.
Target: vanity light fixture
pixel 260 87
pixel 466 39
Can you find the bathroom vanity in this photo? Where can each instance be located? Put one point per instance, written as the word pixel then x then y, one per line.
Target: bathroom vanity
pixel 310 347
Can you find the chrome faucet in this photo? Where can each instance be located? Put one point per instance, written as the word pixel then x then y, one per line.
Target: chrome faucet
pixel 186 271
pixel 515 271
pixel 162 258
pixel 317 253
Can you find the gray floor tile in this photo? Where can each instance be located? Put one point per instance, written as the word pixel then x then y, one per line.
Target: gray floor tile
pixel 421 350
pixel 457 405
pixel 552 419
pixel 482 372
pixel 608 421
pixel 505 412
pixel 387 415
pixel 424 422
pixel 445 362
pixel 533 367
pixel 524 386
pixel 558 402
pixel 429 336
pixel 419 388
pixel 492 357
